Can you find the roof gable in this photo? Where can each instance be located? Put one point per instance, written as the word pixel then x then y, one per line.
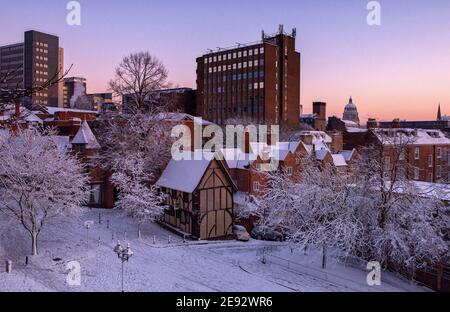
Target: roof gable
pixel 85 136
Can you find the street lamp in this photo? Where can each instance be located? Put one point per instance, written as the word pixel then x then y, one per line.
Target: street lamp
pixel 124 254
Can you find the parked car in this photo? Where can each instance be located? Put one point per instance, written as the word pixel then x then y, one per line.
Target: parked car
pixel 266 233
pixel 241 233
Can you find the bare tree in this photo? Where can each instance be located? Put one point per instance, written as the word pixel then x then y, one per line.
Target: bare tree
pixel 39 181
pixel 136 77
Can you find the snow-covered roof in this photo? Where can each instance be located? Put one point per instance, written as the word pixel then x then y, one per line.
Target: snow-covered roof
pixel 184 175
pixel 321 154
pixel 291 146
pixel 53 110
pixel 179 117
pixel 25 115
pixel 351 124
pixel 339 160
pixel 272 151
pixel 85 136
pixel 317 136
pixel 237 159
pixel 308 116
pixel 355 130
pixel 411 136
pixel 347 154
pixel 63 142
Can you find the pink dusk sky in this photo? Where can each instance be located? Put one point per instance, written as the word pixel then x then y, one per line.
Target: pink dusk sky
pixel 398 69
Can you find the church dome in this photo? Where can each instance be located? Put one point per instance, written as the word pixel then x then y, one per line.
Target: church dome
pixel 351 112
pixel 350 105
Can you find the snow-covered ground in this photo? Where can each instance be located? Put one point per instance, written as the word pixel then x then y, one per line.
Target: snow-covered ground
pixel 160 266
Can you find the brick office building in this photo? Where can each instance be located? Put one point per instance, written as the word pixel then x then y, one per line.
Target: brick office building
pixel 258 81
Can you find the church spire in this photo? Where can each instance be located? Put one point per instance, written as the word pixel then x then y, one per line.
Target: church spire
pixel 439 115
pixel 351 100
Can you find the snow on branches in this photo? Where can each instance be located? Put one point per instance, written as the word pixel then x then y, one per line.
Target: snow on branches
pixel 39 181
pixel 135 148
pixel 379 214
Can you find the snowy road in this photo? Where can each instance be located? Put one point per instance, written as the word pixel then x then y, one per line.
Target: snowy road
pixel 196 266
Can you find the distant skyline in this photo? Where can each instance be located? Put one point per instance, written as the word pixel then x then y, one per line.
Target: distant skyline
pixel 399 69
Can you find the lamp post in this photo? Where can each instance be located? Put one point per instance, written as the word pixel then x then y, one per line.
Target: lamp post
pixel 124 254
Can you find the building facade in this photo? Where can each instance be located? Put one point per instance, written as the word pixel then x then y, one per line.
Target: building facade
pixel 201 206
pixel 258 82
pixel 177 100
pixel 35 60
pixel 427 152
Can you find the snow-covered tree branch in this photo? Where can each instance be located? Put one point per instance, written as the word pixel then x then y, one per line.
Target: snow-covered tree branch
pixel 38 181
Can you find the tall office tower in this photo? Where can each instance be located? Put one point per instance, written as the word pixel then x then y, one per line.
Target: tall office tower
pixel 34 61
pixel 61 81
pixel 258 81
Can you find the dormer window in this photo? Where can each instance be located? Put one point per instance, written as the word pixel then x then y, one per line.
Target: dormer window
pixel 79 148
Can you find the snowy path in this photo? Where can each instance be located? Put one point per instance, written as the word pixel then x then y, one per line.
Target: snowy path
pixel 196 266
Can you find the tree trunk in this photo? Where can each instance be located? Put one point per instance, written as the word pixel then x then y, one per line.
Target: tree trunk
pixel 34 238
pixel 324 256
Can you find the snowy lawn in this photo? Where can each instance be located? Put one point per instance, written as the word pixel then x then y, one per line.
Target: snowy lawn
pixel 192 266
